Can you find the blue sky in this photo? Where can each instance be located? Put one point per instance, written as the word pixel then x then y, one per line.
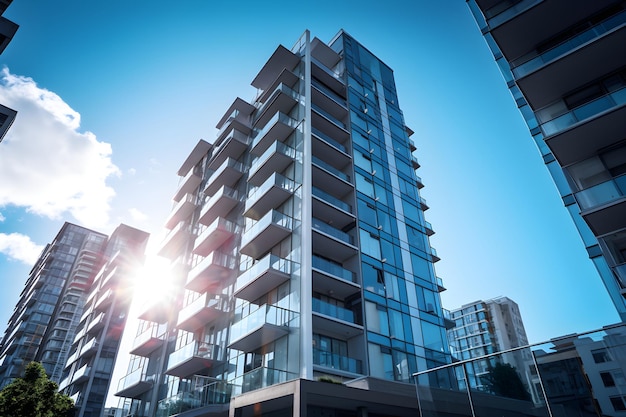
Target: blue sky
pixel 113 95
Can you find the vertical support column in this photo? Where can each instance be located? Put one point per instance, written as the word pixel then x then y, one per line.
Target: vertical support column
pixel 306 283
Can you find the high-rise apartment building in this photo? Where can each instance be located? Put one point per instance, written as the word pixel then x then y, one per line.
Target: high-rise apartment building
pixel 7 31
pixel 564 63
pixel 486 327
pixel 45 317
pixel 94 347
pixel 299 251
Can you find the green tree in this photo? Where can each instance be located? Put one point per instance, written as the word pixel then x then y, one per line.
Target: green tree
pixel 503 380
pixel 34 395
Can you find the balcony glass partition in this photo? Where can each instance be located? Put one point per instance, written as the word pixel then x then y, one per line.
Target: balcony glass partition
pixel 506 10
pixel 334 201
pixel 333 269
pixel 328 116
pixel 265 314
pixel 201 393
pixel 332 310
pixel 602 193
pixel 323 136
pixel 324 165
pixel 336 361
pixel 331 231
pixel 260 378
pixel 585 111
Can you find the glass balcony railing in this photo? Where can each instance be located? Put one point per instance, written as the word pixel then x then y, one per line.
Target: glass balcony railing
pixel 620 271
pixel 153 331
pixel 332 310
pixel 281 88
pixel 335 361
pixel 277 118
pixel 235 115
pixel 328 116
pixel 135 377
pixel 531 62
pixel 335 74
pixel 324 165
pixel 333 269
pixel 260 378
pixel 273 217
pixel 274 180
pixel 269 262
pixel 193 349
pixel 276 147
pixel 506 10
pixel 586 111
pixel 602 193
pixel 331 200
pixel 265 314
pixel 331 231
pixel 201 395
pixel 323 136
pixel 330 93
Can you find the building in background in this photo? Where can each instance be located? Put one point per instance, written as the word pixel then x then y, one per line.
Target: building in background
pixel 565 66
pixel 94 348
pixel 7 31
pixel 486 327
pixel 299 251
pixel 45 317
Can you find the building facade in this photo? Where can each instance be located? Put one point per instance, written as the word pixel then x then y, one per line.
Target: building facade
pixel 93 349
pixel 7 31
pixel 486 327
pixel 298 244
pixel 45 317
pixel 564 64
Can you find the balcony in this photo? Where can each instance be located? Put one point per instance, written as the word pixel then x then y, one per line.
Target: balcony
pixel 327 177
pixel 72 358
pixel 282 100
pixel 212 273
pixel 269 195
pixel 603 119
pixel 276 158
pixel 219 205
pixel 135 383
pixel 151 339
pixel 201 312
pixel 266 233
pixel 263 276
pixel 97 323
pixel 329 77
pixel 335 153
pixel 422 203
pixel 228 174
pixel 433 255
pixel 232 146
pixel 329 129
pixel 197 396
pixel 328 100
pixel 174 240
pixel 157 312
pixel 331 209
pixel 181 211
pixel 335 320
pixel 193 358
pixel 339 122
pixel 189 183
pixel 591 60
pixel 285 77
pixel 620 273
pixel 81 375
pixel 603 206
pixel 331 360
pixel 331 278
pixel 332 243
pixel 260 378
pixel 265 325
pixel 277 129
pixel 428 228
pixel 440 287
pixel 281 58
pixel 236 120
pixel 414 162
pixel 89 348
pixel 214 236
pixel 105 300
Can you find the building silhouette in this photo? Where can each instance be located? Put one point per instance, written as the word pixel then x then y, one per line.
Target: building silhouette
pixel 299 249
pixel 565 66
pixel 7 31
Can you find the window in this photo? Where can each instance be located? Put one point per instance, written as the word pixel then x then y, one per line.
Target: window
pixel 618 403
pixel 607 379
pixel 600 356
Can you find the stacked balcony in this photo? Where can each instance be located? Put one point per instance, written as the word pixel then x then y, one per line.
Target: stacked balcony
pixel 282 99
pixel 156 312
pixel 96 324
pixel 333 361
pixel 105 300
pixel 276 158
pixel 227 174
pixel 231 146
pixel 200 312
pixel 81 375
pixel 174 240
pixel 331 242
pixel 212 273
pixel 272 193
pixel 193 358
pixel 135 383
pixel 181 211
pixel 263 276
pixel 264 325
pixel 151 339
pixel 335 320
pixel 219 205
pixel 89 348
pixel 277 129
pixel 266 233
pixel 330 277
pixel 214 236
pixel 189 183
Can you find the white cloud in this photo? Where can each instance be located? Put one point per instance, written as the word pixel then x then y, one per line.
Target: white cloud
pixel 2 218
pixel 54 169
pixel 137 215
pixel 19 247
pixel 132 171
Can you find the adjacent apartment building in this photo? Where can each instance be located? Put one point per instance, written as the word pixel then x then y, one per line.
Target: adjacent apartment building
pixel 564 63
pixel 486 327
pixel 72 311
pixel 299 251
pixel 7 31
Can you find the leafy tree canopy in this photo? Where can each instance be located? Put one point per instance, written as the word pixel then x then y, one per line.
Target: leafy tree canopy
pixel 504 381
pixel 34 395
